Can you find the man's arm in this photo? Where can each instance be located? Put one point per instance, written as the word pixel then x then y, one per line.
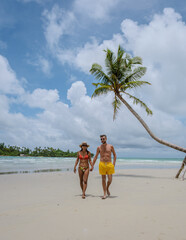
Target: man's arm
pixel 114 154
pixel 89 154
pixel 95 158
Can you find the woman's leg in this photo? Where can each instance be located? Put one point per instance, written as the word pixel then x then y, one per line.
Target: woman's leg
pixel 81 178
pixel 85 180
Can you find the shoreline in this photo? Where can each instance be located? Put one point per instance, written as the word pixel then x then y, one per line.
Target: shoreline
pixel 34 171
pixel 29 165
pixel 124 167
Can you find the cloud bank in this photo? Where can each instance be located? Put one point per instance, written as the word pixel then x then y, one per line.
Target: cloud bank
pixel 84 119
pixel 163 53
pixel 65 126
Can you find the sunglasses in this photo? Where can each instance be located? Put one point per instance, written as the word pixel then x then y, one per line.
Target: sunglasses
pixel 84 145
pixel 102 139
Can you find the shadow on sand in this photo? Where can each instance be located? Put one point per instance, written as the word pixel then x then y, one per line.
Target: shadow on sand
pixel 141 176
pixel 96 196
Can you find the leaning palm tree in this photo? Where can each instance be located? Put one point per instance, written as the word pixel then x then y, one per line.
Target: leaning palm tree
pixel 122 74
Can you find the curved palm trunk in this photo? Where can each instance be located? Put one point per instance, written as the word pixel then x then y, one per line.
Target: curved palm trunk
pixel 150 133
pixel 181 168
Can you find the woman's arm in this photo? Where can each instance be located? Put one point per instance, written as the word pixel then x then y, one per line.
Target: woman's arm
pixel 76 163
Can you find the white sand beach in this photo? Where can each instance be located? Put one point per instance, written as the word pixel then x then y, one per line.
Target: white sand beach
pixel 146 204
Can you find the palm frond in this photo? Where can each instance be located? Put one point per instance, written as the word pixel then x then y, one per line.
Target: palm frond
pixel 115 65
pixel 122 72
pixel 109 61
pixel 95 84
pixel 120 54
pixel 138 101
pixel 128 57
pixel 133 84
pixel 135 75
pixel 136 60
pixel 120 64
pixel 99 74
pixel 102 89
pixel 116 105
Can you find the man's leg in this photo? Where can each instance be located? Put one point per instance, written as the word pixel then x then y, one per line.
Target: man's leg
pixel 104 186
pixel 108 183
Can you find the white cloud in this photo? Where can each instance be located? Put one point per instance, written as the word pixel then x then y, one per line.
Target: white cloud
pixel 45 65
pixel 57 22
pixel 4 106
pixel 83 58
pixel 164 54
pixel 73 78
pixel 9 84
pixel 65 126
pixel 3 45
pixel 60 125
pixel 93 52
pixel 76 91
pixel 42 64
pixel 37 1
pixel 97 9
pixel 102 10
pixel 41 98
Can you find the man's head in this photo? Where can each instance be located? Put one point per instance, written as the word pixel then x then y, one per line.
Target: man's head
pixel 103 138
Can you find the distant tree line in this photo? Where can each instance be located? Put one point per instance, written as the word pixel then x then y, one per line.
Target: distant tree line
pixel 37 152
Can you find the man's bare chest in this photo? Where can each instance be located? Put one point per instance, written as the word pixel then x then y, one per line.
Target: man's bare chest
pixel 105 149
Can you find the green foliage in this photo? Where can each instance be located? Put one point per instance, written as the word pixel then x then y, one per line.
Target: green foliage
pixel 37 152
pixel 122 73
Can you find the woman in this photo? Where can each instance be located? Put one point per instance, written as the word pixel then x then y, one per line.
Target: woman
pixel 84 156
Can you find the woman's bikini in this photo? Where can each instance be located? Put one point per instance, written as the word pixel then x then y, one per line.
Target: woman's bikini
pixel 86 157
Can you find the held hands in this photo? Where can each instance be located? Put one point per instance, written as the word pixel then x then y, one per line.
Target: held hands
pixel 91 169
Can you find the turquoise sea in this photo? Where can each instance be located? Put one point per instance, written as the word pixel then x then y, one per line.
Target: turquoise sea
pixel 44 164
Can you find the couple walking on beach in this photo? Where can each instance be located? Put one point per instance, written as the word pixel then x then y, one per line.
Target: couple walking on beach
pixel 106 167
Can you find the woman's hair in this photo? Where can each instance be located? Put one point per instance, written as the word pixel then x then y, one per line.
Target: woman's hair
pixel 86 150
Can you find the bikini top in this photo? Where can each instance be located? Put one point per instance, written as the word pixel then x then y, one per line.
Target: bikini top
pixel 85 157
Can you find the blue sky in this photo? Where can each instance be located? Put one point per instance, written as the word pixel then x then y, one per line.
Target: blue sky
pixel 46 50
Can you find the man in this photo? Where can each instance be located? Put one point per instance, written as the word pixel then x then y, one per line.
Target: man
pixel 105 166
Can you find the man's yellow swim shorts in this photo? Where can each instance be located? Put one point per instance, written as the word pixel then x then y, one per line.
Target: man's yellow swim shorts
pixel 106 168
